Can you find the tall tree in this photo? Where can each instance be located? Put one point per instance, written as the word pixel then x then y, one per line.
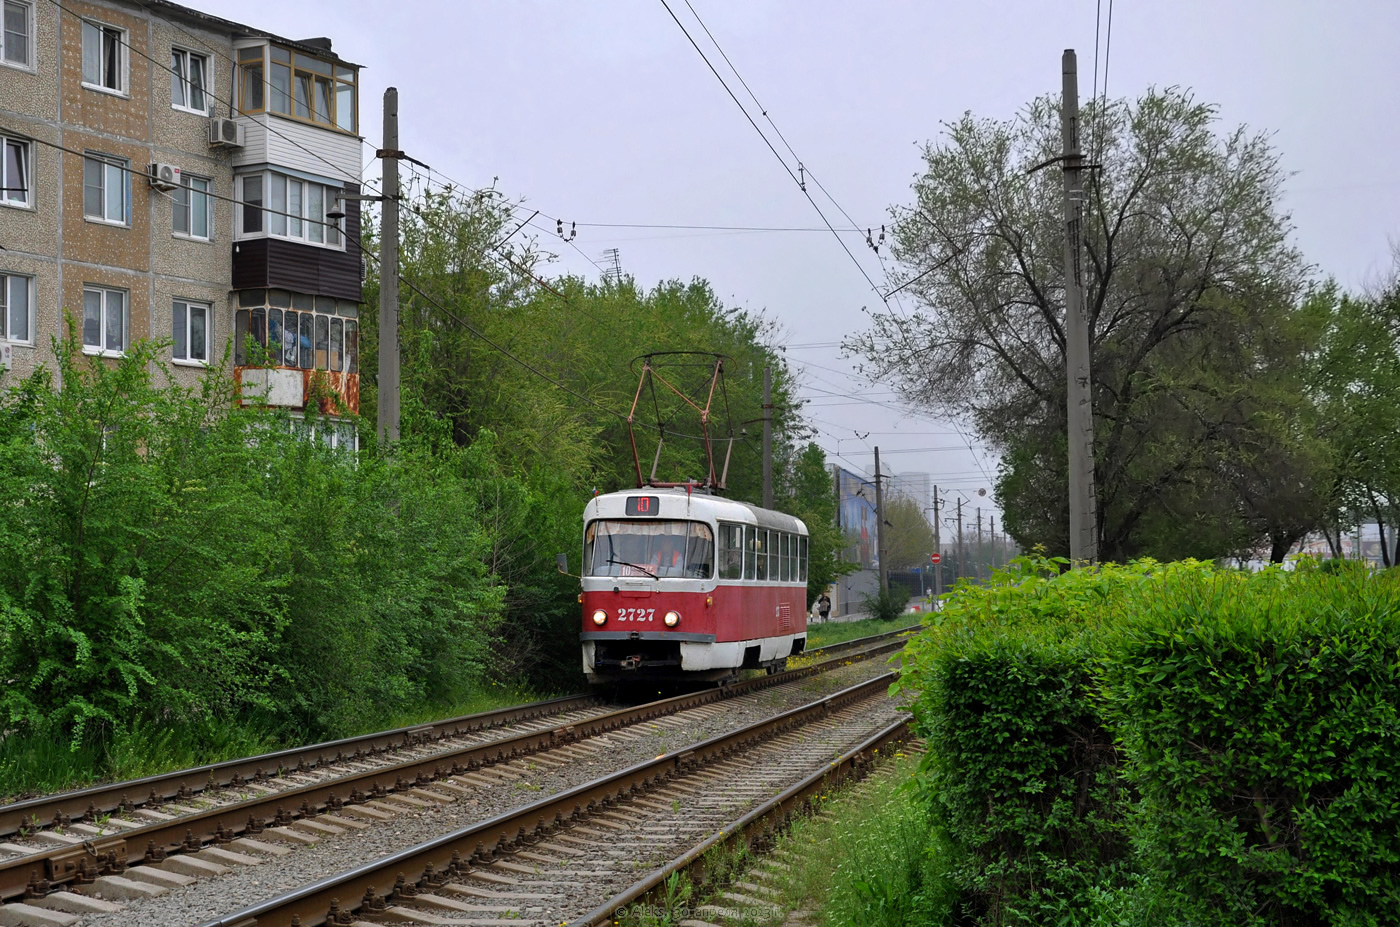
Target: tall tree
pixel 908 537
pixel 1185 247
pixel 1357 382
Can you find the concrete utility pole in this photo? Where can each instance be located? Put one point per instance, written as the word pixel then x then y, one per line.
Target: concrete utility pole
pixel 981 551
pixel 767 437
pixel 992 530
pixel 389 275
pixel 880 525
pixel 962 569
pixel 1079 402
pixel 938 548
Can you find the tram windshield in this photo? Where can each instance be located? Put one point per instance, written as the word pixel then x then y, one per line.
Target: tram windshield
pixel 659 549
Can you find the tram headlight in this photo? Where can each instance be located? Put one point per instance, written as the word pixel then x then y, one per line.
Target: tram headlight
pixel 672 619
pixel 600 617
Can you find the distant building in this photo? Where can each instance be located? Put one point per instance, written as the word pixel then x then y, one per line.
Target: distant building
pixel 171 175
pixel 917 487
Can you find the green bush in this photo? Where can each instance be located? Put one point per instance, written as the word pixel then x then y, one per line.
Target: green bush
pixel 886 604
pixel 169 557
pixel 1167 744
pixel 1260 718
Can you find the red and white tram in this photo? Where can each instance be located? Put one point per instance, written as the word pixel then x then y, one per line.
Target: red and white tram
pixel 682 585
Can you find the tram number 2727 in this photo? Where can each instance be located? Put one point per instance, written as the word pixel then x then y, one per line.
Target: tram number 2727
pixel 636 614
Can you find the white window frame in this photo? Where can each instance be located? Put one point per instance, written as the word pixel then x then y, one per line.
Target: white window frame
pixel 188 191
pixel 106 295
pixel 96 29
pixel 180 75
pixel 5 8
pixel 338 434
pixel 26 167
pixel 181 311
pixel 113 169
pixel 11 283
pixel 295 225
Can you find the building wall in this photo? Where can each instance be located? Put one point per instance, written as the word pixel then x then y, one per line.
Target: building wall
pixel 61 247
pixel 63 250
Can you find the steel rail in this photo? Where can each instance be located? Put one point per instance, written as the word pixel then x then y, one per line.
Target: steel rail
pixel 84 805
pixel 757 826
pixel 429 864
pixel 40 872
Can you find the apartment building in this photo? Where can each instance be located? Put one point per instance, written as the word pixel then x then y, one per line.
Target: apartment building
pixel 174 176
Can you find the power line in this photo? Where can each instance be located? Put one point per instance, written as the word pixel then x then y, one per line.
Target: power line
pixel 213 196
pixel 801 185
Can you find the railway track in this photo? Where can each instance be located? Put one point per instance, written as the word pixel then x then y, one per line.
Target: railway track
pixel 573 857
pixel 99 847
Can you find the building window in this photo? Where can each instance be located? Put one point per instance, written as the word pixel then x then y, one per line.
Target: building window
pixel 335 433
pixel 193 212
pixel 16 38
pixel 304 340
pixel 16 308
pixel 104 57
pixel 295 209
pixel 299 86
pixel 189 74
pixel 14 173
pixel 190 329
pixel 104 321
pixel 106 189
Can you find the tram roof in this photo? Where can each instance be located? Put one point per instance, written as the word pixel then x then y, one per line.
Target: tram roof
pixel 677 503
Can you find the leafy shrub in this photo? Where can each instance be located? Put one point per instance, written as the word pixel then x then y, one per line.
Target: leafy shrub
pixel 886 604
pixel 1260 716
pixel 1165 744
pixel 168 556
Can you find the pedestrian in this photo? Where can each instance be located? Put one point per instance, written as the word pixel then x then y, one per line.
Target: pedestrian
pixel 824 606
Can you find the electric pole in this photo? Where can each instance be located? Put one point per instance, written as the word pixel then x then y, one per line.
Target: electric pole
pixel 981 555
pixel 1083 523
pixel 767 437
pixel 962 570
pixel 938 548
pixel 880 525
pixel 389 275
pixel 992 530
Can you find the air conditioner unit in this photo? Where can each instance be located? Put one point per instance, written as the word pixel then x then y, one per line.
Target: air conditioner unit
pixel 165 176
pixel 225 133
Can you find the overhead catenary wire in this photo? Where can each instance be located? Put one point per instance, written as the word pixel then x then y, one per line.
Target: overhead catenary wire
pixel 781 160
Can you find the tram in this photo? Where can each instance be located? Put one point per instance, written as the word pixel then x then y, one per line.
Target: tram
pixel 679 584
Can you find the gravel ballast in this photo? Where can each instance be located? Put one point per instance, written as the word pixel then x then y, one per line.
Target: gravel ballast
pixel 529 779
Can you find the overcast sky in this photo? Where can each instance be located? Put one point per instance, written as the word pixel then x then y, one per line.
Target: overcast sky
pixel 600 111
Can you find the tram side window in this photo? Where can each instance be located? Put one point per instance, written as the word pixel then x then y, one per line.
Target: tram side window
pixel 791 558
pixel 801 559
pixel 784 574
pixel 700 551
pixel 749 554
pixel 731 551
pixel 760 546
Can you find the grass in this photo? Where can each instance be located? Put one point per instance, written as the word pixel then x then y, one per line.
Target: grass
pixel 838 632
pixel 35 764
pixel 867 859
pixel 864 860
